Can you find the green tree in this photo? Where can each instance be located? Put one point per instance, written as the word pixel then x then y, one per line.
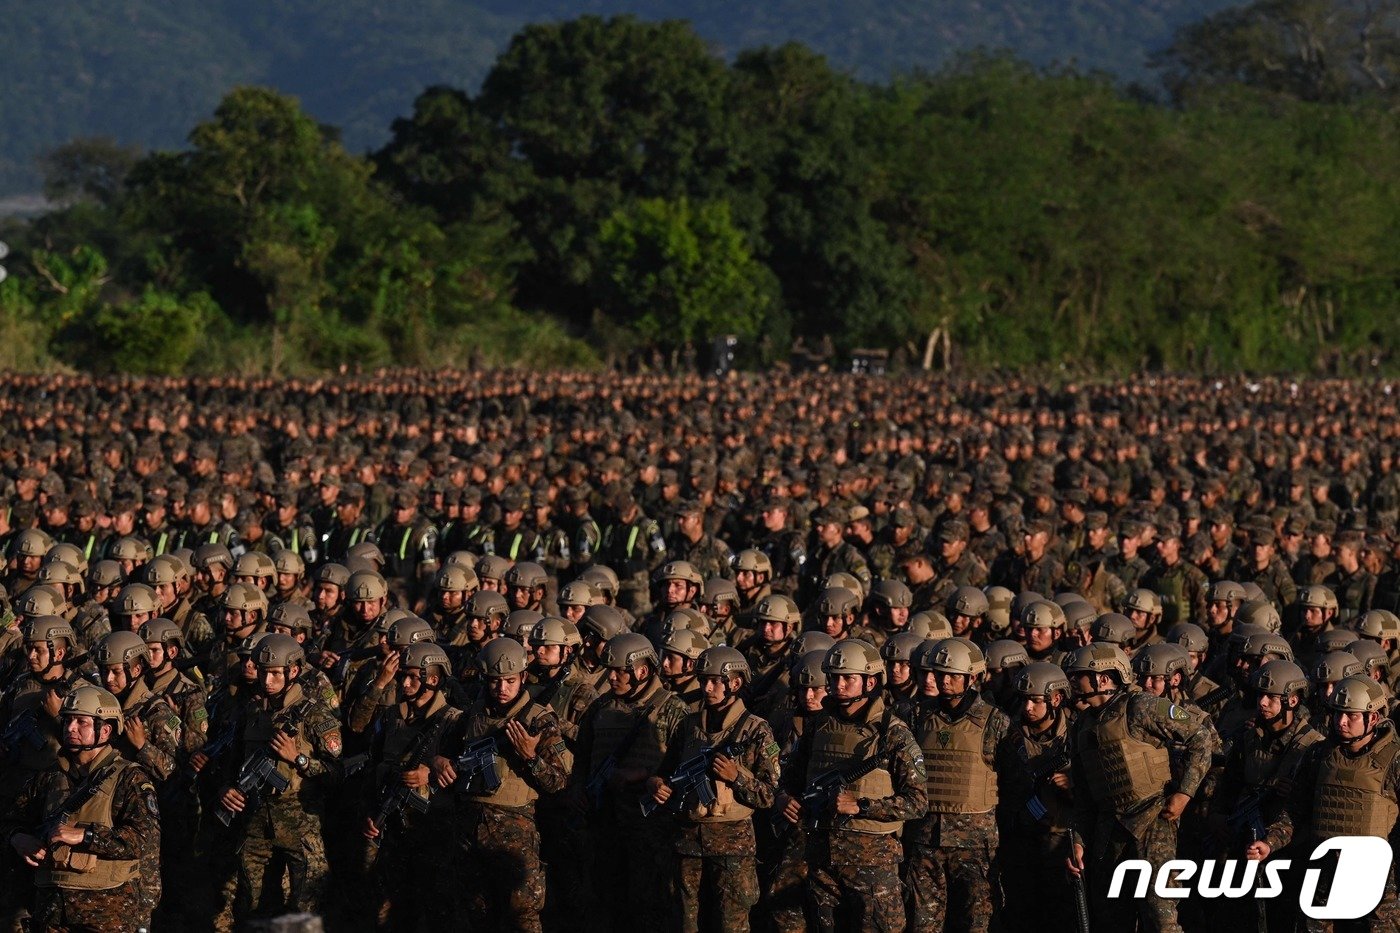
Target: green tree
pixel 679 272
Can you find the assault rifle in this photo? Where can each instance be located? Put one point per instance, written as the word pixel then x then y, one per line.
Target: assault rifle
pixel 71 805
pixel 820 796
pixel 1034 805
pixel 259 773
pixel 396 796
pixel 22 730
pixel 1081 896
pixel 478 760
pixel 692 780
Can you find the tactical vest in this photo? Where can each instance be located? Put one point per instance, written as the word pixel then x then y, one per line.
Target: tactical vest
pixel 400 735
pixel 83 871
pixel 615 721
pixel 514 791
pixel 694 740
pixel 837 743
pixel 1348 799
pixel 1120 771
pixel 263 723
pixel 1171 587
pixel 959 779
pixel 1261 767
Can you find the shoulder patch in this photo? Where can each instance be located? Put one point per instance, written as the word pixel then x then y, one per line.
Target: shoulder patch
pixel 1172 711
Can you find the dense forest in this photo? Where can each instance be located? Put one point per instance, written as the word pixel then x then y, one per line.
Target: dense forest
pixel 616 184
pixel 144 71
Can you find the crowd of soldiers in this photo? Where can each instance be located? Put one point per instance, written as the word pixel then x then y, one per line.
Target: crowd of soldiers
pixel 592 652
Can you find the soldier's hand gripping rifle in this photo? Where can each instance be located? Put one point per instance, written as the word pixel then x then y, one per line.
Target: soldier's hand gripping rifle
pixel 259 773
pixel 397 796
pixel 478 761
pixel 692 780
pixel 819 799
pixel 1034 805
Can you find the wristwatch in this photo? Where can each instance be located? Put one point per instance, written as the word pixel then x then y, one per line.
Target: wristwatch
pixel 301 762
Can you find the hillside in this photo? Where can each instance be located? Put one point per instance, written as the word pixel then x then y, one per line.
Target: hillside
pixel 144 71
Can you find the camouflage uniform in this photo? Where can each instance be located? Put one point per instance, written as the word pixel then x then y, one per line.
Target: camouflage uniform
pixel 853 863
pixel 636 852
pixel 563 843
pixel 824 561
pixel 500 843
pixel 125 844
pixel 967 570
pixel 411 886
pixel 711 556
pixel 285 828
pixel 1369 786
pixel 1034 844
pixel 1117 807
pixel 1355 593
pixel 1182 587
pixel 1042 576
pixel 633 549
pixel 950 853
pixel 1129 571
pixel 715 845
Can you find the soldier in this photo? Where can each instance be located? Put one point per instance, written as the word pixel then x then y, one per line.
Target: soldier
pixel 1265 569
pixel 1043 623
pixel 681 649
pixel 557 683
pixel 1180 584
pixel 408 843
pixel 1128 798
pixel 853 863
pixel 1349 785
pixel 1035 803
pixel 26 555
pixel 1354 585
pixel 833 554
pixel 409 543
pixel 1258 777
pixel 300 739
pixel 350 526
pixel 97 852
pixel 1036 570
pixel 901 684
pixel 1144 610
pixel 834 613
pixel 633 544
pixel 949 853
pixel 956 566
pixel 585 534
pixel 753 577
pixel 152 733
pixel 783 545
pixel 786 889
pixel 709 555
pixel 621 742
pixel 1127 564
pixel 887 610
pixel 526 583
pixel 715 843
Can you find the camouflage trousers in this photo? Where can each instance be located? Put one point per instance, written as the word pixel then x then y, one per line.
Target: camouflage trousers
pixel 1151 839
pixel 57 910
pixel 787 887
pixel 716 875
pixel 950 889
pixel 863 893
pixel 281 837
pixel 500 873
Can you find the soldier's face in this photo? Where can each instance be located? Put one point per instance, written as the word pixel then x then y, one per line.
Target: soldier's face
pixel 951 685
pixel 835 626
pixel 450 599
pixel 898 672
pixel 503 690
pixel 159 655
pixel 165 592
pixel 746 580
pixel 36 653
pixel 1219 612
pixel 774 519
pixel 80 730
pixel 774 632
pixel 327 596
pixel 717 690
pixel 677 592
pixel 673 664
pixel 549 655
pixel 1040 639
pixel 829 533
pixel 847 686
pixel 1314 618
pixel 811 698
pixel 1034 709
pixel 1268 706
pixel 573 613
pixel 519 596
pixel 1141 620
pixel 1353 725
pixel 273 680
pixel 115 679
pixel 1154 684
